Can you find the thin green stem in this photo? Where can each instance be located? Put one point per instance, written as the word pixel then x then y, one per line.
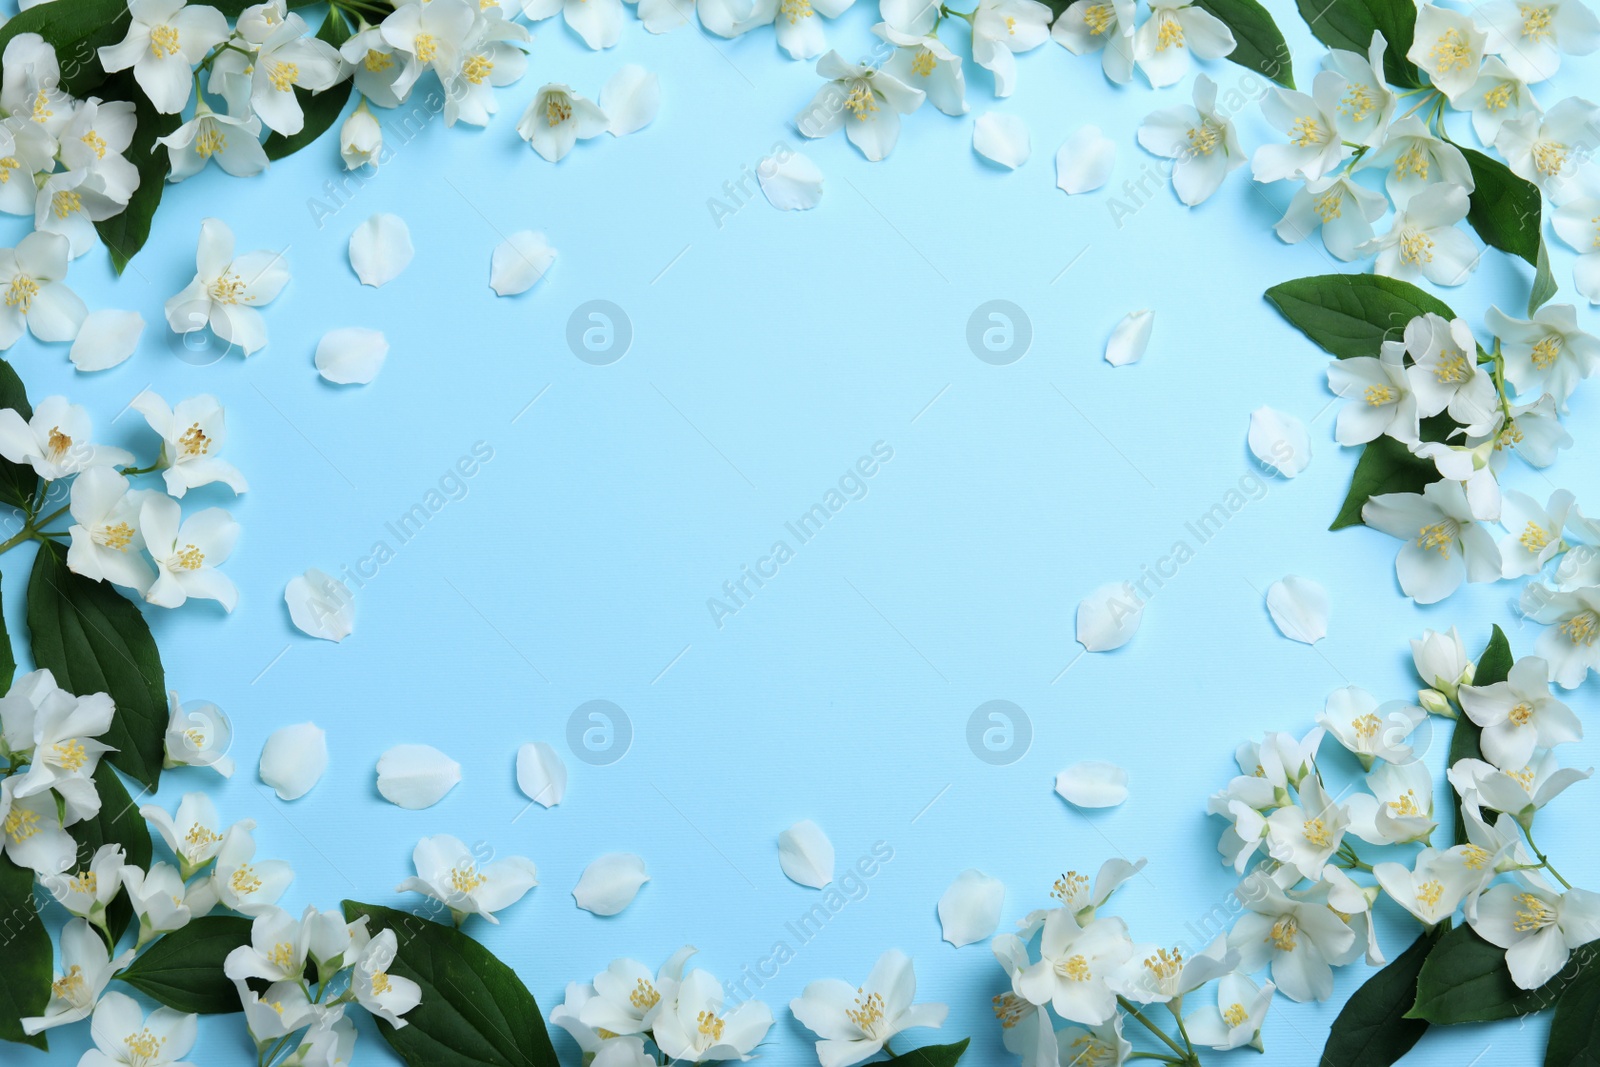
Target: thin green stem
pixel 1132 1009
pixel 1543 861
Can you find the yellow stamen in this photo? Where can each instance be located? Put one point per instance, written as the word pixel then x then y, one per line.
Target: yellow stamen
pixel 1330 205
pixel 1451 52
pixel 1582 629
pixel 1284 933
pixel 1416 247
pixel 1439 536
pixel 795 10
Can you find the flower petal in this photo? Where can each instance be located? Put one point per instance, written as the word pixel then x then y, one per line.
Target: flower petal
pixel 416 776
pixel 351 356
pixel 1280 441
pixel 519 262
pixel 1109 617
pixel 610 883
pixel 806 854
pixel 380 249
pixel 1093 784
pixel 631 99
pixel 1299 609
pixel 970 909
pixel 1085 160
pixel 106 338
pixel 540 774
pixel 1002 138
pixel 293 759
pixel 1130 338
pixel 320 605
pixel 792 184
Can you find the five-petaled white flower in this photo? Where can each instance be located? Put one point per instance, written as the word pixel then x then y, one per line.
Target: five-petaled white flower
pixel 55 442
pixel 1236 1020
pixel 1547 353
pixel 866 102
pixel 854 1023
pixel 187 555
pixel 1538 928
pixel 1174 30
pixel 1444 543
pixel 1075 966
pixel 1380 394
pixel 243 883
pixel 1200 139
pixel 1433 889
pixel 194 833
pixel 106 544
pixel 1087 25
pixel 1548 149
pixel 449 872
pixel 192 433
pixel 36 297
pixel 233 141
pixel 1371 730
pixel 1571 644
pixel 1366 103
pixel 1305 835
pixel 1449 46
pixel 125 1037
pixel 1519 715
pixel 557 118
pixel 1298 938
pixel 1530 37
pixel 388 996
pixel 1314 146
pixel 1417 161
pixel 697 1030
pixel 1002 28
pixel 1446 373
pixel 86 968
pixel 1399 809
pixel 1518 792
pixel 628 998
pixel 166 40
pixel 227 290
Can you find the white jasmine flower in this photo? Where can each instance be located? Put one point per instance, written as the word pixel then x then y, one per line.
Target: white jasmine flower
pixel 1172 32
pixel 609 884
pixel 86 968
pixel 1298 938
pixel 192 433
pixel 854 1023
pixel 1417 161
pixel 227 291
pixel 284 1008
pixel 1000 29
pixel 70 203
pixel 30 831
pixel 1446 373
pixel 87 892
pixel 868 103
pixel 1449 46
pixel 1097 1045
pixel 1380 395
pixel 30 151
pixel 697 1030
pixel 293 759
pixel 1531 37
pixel 277 949
pixel 1444 544
pixel 1314 147
pixel 32 85
pixel 491 57
pixel 1371 730
pixel 288 59
pixel 1399 810
pixel 1571 644
pixel 1547 353
pixel 158 899
pixel 1576 222
pixel 1537 928
pixel 233 141
pixel 106 542
pixel 198 735
pixel 1156 975
pixel 1496 97
pixel 1519 715
pixel 388 996
pixel 1548 150
pixel 195 833
pixel 166 40
pixel 1366 103
pixel 1201 139
pixel 372 59
pixel 1533 432
pixel 360 138
pixel 55 442
pixel 1088 25
pixel 626 998
pixel 557 118
pixel 1075 965
pixel 187 555
pixel 449 873
pixel 429 36
pixel 1236 1020
pixel 66 751
pixel 1518 792
pixel 1305 835
pixel 1080 898
pixel 125 1037
pixel 243 883
pixel 95 140
pixel 1432 891
pixel 1535 533
pixel 36 298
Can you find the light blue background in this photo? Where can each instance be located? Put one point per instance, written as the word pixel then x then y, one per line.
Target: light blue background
pixel 769 353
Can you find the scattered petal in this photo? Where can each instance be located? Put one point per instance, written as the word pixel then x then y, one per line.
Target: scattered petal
pixel 380 249
pixel 1085 160
pixel 351 356
pixel 320 605
pixel 293 759
pixel 1299 608
pixel 791 184
pixel 1002 138
pixel 540 774
pixel 416 776
pixel 1280 441
pixel 610 883
pixel 519 263
pixel 1109 617
pixel 970 909
pixel 106 338
pixel 1130 338
pixel 806 854
pixel 1093 784
pixel 631 99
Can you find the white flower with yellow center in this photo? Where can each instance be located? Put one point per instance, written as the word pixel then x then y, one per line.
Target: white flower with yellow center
pixel 187 556
pixel 557 118
pixel 106 544
pixel 194 832
pixel 865 101
pixel 1548 150
pixel 1106 25
pixel 1425 241
pixel 33 295
pixel 1380 397
pixel 281 1010
pixel 697 1030
pixel 375 64
pixel 1399 810
pixel 1519 715
pixel 449 872
pixel 1531 35
pixel 1432 890
pixel 853 1023
pixel 1449 46
pixel 492 56
pixel 1533 536
pixel 1236 1020
pixel 1155 974
pixel 1075 966
pixel 55 442
pixel 1446 374
pixel 1444 543
pixel 227 291
pixel 84 971
pixel 158 899
pixel 233 142
pixel 166 40
pixel 124 1037
pixel 1370 730
pixel 1537 928
pixel 27 152
pixel 427 37
pixel 277 949
pixel 924 63
pixel 1341 208
pixel 1298 938
pixel 70 203
pixel 1417 160
pixel 243 883
pixel 198 735
pixel 387 996
pixel 30 832
pixel 1547 353
pixel 100 131
pixel 1571 644
pixel 1519 791
pixel 66 751
pixel 89 890
pixel 1314 147
pixel 1200 139
pixel 1002 28
pixel 1305 835
pixel 289 59
pixel 32 89
pixel 628 998
pixel 192 433
pixel 1495 98
pixel 1576 222
pixel 1366 103
pixel 1173 32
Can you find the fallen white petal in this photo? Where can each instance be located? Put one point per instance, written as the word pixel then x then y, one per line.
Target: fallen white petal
pixel 806 854
pixel 416 776
pixel 1085 160
pixel 970 909
pixel 321 605
pixel 1280 440
pixel 794 184
pixel 1299 608
pixel 380 249
pixel 105 339
pixel 519 262
pixel 540 774
pixel 1109 617
pixel 1093 784
pixel 631 99
pixel 351 356
pixel 1002 138
pixel 610 883
pixel 1130 338
pixel 293 759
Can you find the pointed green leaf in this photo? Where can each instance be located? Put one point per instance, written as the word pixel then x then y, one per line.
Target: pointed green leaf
pixel 183 969
pixel 125 233
pixel 934 1055
pixel 1503 208
pixel 1258 43
pixel 1348 24
pixel 1353 314
pixel 1575 1030
pixel 1385 466
pixel 1544 282
pixel 1464 980
pixel 1372 1029
pixel 29 958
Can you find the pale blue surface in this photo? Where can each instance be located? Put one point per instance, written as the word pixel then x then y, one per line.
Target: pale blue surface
pixel 771 355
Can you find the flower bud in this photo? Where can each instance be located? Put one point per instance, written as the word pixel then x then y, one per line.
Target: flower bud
pixel 360 138
pixel 1436 703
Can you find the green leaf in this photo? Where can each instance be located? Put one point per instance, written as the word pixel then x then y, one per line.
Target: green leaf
pixel 125 233
pixel 934 1055
pixel 1352 314
pixel 1258 43
pixel 1544 282
pixel 1575 1030
pixel 78 30
pixel 1385 466
pixel 119 823
pixel 1494 666
pixel 322 109
pixel 18 483
pixel 94 640
pixel 8 658
pixel 29 958
pixel 1348 24
pixel 1503 208
pixel 1372 1029
pixel 1465 980
pixel 183 969
pixel 475 1011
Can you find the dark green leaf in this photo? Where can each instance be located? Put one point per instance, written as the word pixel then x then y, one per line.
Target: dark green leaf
pixel 1575 1031
pixel 119 823
pixel 1503 208
pixel 183 970
pixel 1465 980
pixel 126 233
pixel 934 1055
pixel 1352 314
pixel 18 483
pixel 1544 282
pixel 29 958
pixel 475 1011
pixel 8 658
pixel 1372 1029
pixel 94 640
pixel 1348 24
pixel 1494 666
pixel 1385 466
pixel 322 109
pixel 78 30
pixel 1258 43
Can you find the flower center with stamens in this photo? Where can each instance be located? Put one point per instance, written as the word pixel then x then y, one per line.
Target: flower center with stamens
pixel 1582 628
pixel 425 47
pixel 70 986
pixel 96 143
pixel 1307 131
pixel 1235 1015
pixel 1474 857
pixel 1098 18
pixel 1165 965
pixel 1499 98
pixel 1452 367
pixel 1284 933
pixel 1330 205
pixel 1379 395
pixel 1439 536
pixel 1547 351
pixel 1521 715
pixel 380 983
pixel 923 62
pixel 1532 914
pixel 1549 157
pixel 244 880
pixel 1366 727
pixel 860 102
pixel 283 76
pixel 1076 969
pixel 795 10
pixel 867 1013
pixel 1429 893
pixel 1451 52
pixel 1170 35
pixel 1414 160
pixel 57 442
pixel 21 824
pixel 1009 1009
pixel 1204 138
pixel 1415 246
pixel 1316 833
pixel 42 112
pixel 557 109
pixel 710 1025
pixel 377 62
pixel 644 995
pixel 189 559
pixel 1358 102
pixel 65 203
pixel 198 838
pixel 1534 537
pixel 21 293
pixel 144 1049
pixel 164 41
pixel 1523 778
pixel 229 288
pixel 69 755
pixel 194 441
pixel 281 956
pixel 1070 889
pixel 1508 437
pixel 1405 804
pixel 7 165
pixel 209 142
pixel 465 878
pixel 477 69
pixel 1536 21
